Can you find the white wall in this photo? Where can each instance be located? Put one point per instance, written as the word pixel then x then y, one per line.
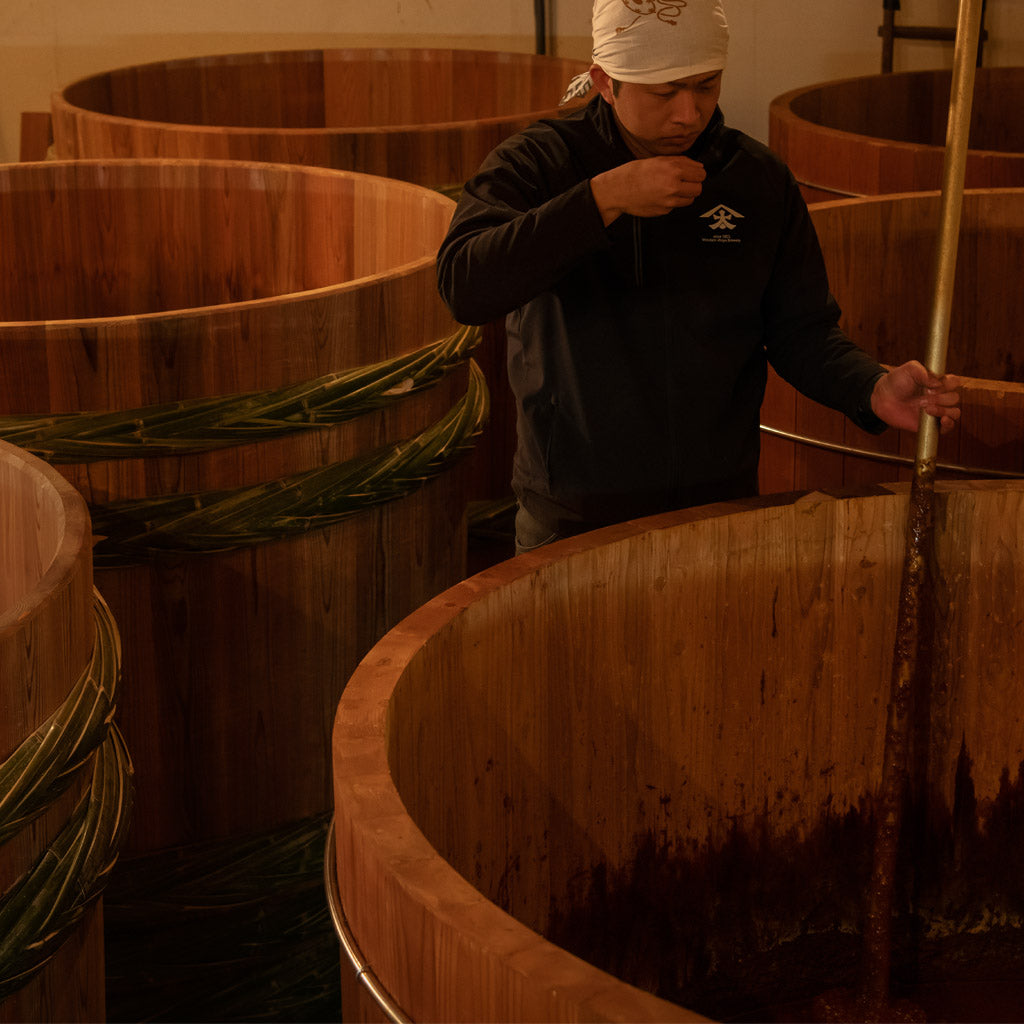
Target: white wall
pixel 776 44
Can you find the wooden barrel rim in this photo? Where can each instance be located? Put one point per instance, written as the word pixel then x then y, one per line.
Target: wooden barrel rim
pixel 60 98
pixel 240 167
pixel 781 108
pixel 76 533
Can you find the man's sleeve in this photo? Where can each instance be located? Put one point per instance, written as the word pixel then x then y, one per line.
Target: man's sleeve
pixel 520 225
pixel 803 339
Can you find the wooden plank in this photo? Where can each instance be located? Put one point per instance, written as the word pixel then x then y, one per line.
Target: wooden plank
pixel 36 135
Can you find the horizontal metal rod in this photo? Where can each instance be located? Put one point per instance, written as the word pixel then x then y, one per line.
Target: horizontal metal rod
pixel 902 460
pixel 932 32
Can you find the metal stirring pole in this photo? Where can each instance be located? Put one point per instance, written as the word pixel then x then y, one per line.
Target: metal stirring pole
pixel 878 924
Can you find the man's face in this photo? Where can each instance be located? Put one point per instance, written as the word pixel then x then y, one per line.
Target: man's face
pixel 661 120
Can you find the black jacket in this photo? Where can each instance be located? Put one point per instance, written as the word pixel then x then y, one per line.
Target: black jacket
pixel 637 353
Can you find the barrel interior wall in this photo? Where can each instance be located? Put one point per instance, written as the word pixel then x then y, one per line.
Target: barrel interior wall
pixel 879 253
pixel 885 134
pixel 411 231
pixel 431 87
pixel 903 109
pixel 285 90
pixel 978 642
pixel 46 630
pixel 87 249
pixel 86 243
pixel 127 362
pixel 709 695
pixel 912 107
pixel 585 710
pixel 880 261
pixel 427 116
pixel 345 88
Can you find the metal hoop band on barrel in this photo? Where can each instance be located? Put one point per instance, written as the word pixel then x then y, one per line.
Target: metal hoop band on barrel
pixel 902 460
pixel 830 189
pixel 364 972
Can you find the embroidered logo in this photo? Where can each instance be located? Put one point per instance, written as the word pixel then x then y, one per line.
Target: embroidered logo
pixel 721 221
pixel 663 10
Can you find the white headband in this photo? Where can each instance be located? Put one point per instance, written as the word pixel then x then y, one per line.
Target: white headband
pixel 655 41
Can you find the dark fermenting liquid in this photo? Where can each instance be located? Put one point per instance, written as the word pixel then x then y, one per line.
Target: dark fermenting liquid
pixel 761 930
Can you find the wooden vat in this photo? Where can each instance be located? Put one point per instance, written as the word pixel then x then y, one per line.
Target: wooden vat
pixel 886 133
pixel 657 746
pixel 879 254
pixel 429 116
pixel 273 468
pixel 53 969
pixel 135 284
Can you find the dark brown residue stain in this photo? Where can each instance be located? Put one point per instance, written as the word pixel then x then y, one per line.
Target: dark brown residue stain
pixel 757 929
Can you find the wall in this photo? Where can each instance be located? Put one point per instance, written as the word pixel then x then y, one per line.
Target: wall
pixel 776 44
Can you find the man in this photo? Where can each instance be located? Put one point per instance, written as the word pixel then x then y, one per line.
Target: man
pixel 649 262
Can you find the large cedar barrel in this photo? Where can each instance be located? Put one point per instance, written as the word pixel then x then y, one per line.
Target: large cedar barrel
pixel 429 116
pixel 632 776
pixel 880 134
pixel 246 370
pixel 880 257
pixel 64 775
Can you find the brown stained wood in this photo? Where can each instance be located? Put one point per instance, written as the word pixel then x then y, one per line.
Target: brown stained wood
pixel 234 663
pixel 72 985
pixel 687 677
pixel 36 135
pixel 428 116
pixel 46 640
pixel 424 115
pixel 878 252
pixel 885 133
pixel 112 242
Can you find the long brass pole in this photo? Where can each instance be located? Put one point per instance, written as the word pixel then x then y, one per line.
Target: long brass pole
pixel 954 168
pixel 878 923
